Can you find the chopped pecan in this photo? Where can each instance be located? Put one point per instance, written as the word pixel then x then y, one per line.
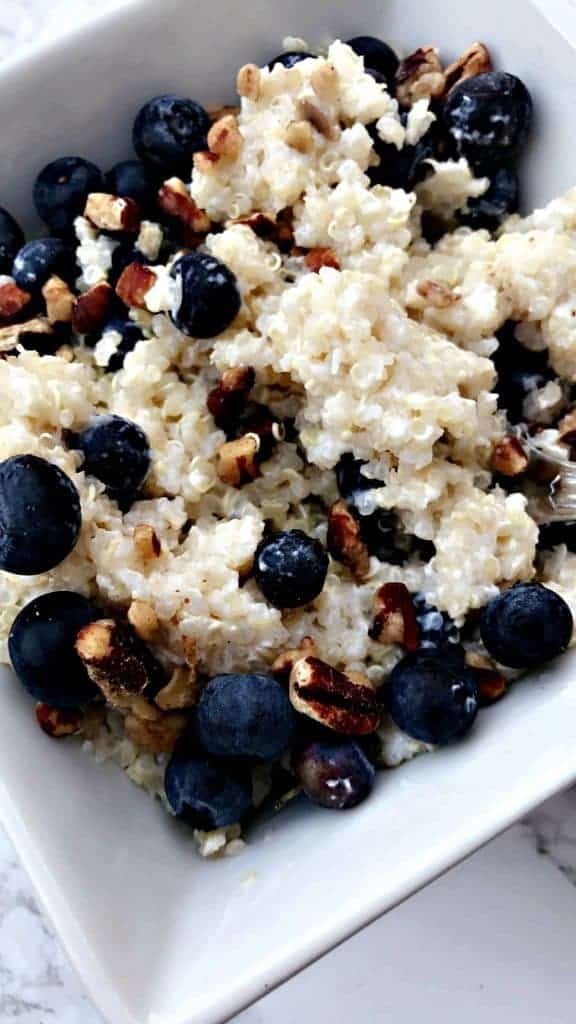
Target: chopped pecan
pixel 147 542
pixel 474 61
pixel 336 700
pixel 112 213
pixel 509 457
pixel 121 665
pixel 227 400
pixel 216 112
pixel 59 299
pixel 225 138
pixel 284 235
pixel 492 685
pixel 437 294
pixel 158 735
pixel 248 82
pixel 133 285
pixel 308 111
pixel 344 539
pixel 16 333
pixel 180 690
pixel 238 460
pixel 144 621
pixel 284 663
pixel 567 427
pixel 205 162
pixel 394 619
pixel 262 224
pixel 92 309
pixel 298 135
pixel 58 722
pixel 325 81
pixel 419 76
pixel 175 200
pixel 321 257
pixel 13 300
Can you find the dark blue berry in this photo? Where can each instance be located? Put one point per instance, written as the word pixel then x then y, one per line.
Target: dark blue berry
pixel 130 333
pixel 501 199
pixel 350 478
pixel 116 452
pixel 526 626
pixel 334 773
pixel 62 188
pixel 437 630
pixel 378 56
pixel 207 793
pixel 130 180
pixel 402 168
pixel 41 648
pixel 520 371
pixel 288 60
pixel 290 568
pixel 40 259
pixel 11 240
pixel 432 697
pixel 380 534
pixel 210 296
pixel 40 515
pixel 244 716
pixel 552 534
pixel 168 130
pixel 488 117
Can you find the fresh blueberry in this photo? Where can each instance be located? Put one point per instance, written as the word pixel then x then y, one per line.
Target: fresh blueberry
pixel 501 199
pixel 130 334
pixel 210 297
pixel 43 343
pixel 62 188
pixel 11 240
pixel 402 168
pixel 432 697
pixel 334 773
pixel 40 515
pixel 380 534
pixel 288 60
pixel 168 130
pixel 130 180
pixel 488 117
pixel 41 648
pixel 437 630
pixel 207 793
pixel 378 56
pixel 290 568
pixel 520 371
pixel 526 625
pixel 116 452
pixel 552 534
pixel 350 478
pixel 40 259
pixel 244 716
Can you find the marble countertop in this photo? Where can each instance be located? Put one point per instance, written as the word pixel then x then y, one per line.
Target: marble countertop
pixel 492 940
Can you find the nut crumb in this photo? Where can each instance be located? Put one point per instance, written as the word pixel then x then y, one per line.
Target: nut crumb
pixel 175 200
pixel 420 76
pixel 58 722
pixel 121 666
pixel 248 82
pixel 237 460
pixel 474 61
pixel 12 300
pixel 92 309
pixel 394 619
pixel 112 213
pixel 299 136
pixel 320 257
pixel 224 137
pixel 325 81
pixel 144 621
pixel 308 111
pixel 284 663
pixel 180 690
pixel 59 299
pixel 333 698
pixel 344 540
pixel 146 542
pixel 133 285
pixel 509 457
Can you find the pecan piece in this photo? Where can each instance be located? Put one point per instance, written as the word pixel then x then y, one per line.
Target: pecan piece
pixel 146 542
pixel 321 257
pixel 325 81
pixel 57 722
pixel 284 663
pixel 133 285
pixel 248 82
pixel 395 617
pixel 12 300
pixel 225 138
pixel 144 621
pixel 59 299
pixel 346 705
pixel 92 309
pixel 216 112
pixel 492 685
pixel 227 400
pixel 180 690
pixel 437 294
pixel 474 61
pixel 16 333
pixel 112 213
pixel 158 735
pixel 344 539
pixel 308 111
pixel 262 224
pixel 420 75
pixel 567 427
pixel 298 135
pixel 121 666
pixel 175 200
pixel 238 460
pixel 509 457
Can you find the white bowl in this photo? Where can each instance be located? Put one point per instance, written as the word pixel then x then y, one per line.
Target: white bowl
pixel 157 934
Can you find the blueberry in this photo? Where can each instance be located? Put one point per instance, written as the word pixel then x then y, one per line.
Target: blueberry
pixel 501 199
pixel 379 532
pixel 40 259
pixel 11 240
pixel 290 568
pixel 40 515
pixel 432 697
pixel 210 297
pixel 41 648
pixel 130 334
pixel 378 56
pixel 526 625
pixel 520 371
pixel 116 452
pixel 244 716
pixel 402 168
pixel 168 130
pixel 488 117
pixel 552 534
pixel 131 180
pixel 206 793
pixel 350 479
pixel 62 188
pixel 334 773
pixel 288 60
pixel 437 630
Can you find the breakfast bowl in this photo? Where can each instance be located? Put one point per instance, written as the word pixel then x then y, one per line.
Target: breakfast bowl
pixel 156 933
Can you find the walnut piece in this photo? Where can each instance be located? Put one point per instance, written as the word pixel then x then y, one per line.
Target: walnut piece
pixel 146 542
pixel 320 257
pixel 299 136
pixel 133 285
pixel 175 200
pixel 180 690
pixel 159 735
pixel 238 460
pixel 342 703
pixel 144 621
pixel 92 309
pixel 248 82
pixel 508 457
pixel 325 81
pixel 12 300
pixel 344 540
pixel 121 666
pixel 227 400
pixel 112 213
pixel 394 619
pixel 225 138
pixel 474 61
pixel 492 685
pixel 59 299
pixel 284 663
pixel 308 111
pixel 420 76
pixel 58 722
pixel 10 336
pixel 437 294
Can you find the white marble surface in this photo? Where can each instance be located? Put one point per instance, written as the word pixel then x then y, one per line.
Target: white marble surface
pixel 492 940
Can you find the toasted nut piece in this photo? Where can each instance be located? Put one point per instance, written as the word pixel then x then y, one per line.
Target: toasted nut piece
pixel 333 698
pixel 308 111
pixel 10 336
pixel 59 300
pixel 175 200
pixel 12 300
pixel 146 542
pixel 344 540
pixel 133 285
pixel 216 112
pixel 299 136
pixel 474 61
pixel 567 427
pixel 159 735
pixel 248 82
pixel 509 457
pixel 262 224
pixel 190 650
pixel 227 400
pixel 320 257
pixel 58 722
pixel 284 663
pixel 237 460
pixel 419 76
pixel 491 683
pixel 121 665
pixel 180 690
pixel 225 138
pixel 325 81
pixel 437 294
pixel 92 309
pixel 284 235
pixel 205 162
pixel 144 621
pixel 395 617
pixel 112 213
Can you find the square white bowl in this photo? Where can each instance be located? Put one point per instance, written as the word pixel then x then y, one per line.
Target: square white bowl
pixel 157 934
